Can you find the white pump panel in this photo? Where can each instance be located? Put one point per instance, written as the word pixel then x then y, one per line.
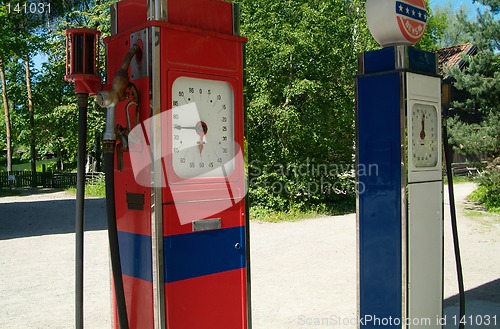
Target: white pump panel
pixel 425 201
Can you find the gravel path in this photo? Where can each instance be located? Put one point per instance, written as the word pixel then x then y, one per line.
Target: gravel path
pixel 301 271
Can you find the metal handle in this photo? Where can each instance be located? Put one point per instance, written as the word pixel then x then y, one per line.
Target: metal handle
pixel 129 125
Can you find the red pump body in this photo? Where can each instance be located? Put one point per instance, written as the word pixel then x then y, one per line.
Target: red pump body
pixel 176 275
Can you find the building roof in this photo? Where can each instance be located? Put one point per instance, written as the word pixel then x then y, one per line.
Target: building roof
pixel 452 56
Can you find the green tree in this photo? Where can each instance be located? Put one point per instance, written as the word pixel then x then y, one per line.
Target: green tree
pixel 42 106
pixel 445 27
pixel 434 30
pixel 6 118
pixel 9 42
pixel 301 62
pixel 481 79
pixel 60 120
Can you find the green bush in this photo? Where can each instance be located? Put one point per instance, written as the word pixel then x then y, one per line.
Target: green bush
pixel 488 192
pixel 306 188
pixel 342 204
pixel 94 189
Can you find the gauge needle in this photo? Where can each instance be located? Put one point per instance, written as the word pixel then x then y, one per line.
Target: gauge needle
pixel 179 127
pixel 201 144
pixel 201 129
pixel 422 133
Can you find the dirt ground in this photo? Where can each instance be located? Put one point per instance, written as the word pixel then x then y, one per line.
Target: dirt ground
pixel 301 271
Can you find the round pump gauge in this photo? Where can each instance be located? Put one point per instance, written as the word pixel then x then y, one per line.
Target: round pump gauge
pixel 202 128
pixel 424 136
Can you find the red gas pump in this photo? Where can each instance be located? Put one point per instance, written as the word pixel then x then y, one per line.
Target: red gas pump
pixel 179 178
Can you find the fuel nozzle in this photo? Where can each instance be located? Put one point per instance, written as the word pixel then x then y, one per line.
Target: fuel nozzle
pixel 121 81
pixel 109 99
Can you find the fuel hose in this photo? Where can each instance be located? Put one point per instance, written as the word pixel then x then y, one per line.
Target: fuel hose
pixel 114 247
pixel 80 211
pixel 458 261
pixel 108 100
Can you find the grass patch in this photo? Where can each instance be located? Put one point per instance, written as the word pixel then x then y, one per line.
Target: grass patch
pixel 340 206
pixel 27 166
pixel 273 216
pixel 459 179
pixel 475 213
pixel 94 189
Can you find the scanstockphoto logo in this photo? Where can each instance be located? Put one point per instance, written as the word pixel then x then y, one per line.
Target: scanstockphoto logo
pixel 369 320
pixel 310 178
pixel 193 156
pixel 197 158
pixel 411 16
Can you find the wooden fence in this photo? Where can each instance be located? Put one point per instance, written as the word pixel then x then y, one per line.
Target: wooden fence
pixel 20 179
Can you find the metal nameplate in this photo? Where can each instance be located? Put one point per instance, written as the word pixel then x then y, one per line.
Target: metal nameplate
pixel 140 68
pixel 206 224
pixel 135 201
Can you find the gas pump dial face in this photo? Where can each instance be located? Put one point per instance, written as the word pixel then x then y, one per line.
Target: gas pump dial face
pixel 202 128
pixel 424 136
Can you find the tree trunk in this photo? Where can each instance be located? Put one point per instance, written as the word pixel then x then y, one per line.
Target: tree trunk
pixel 7 117
pixel 32 121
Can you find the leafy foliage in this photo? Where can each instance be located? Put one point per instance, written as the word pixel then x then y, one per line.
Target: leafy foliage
pixel 488 192
pixel 94 188
pixel 434 30
pixel 472 139
pixel 301 61
pixel 481 79
pixel 450 32
pixel 54 100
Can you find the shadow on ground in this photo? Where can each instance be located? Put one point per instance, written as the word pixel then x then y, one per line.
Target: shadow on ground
pixel 26 219
pixel 36 191
pixel 482 304
pixel 27 191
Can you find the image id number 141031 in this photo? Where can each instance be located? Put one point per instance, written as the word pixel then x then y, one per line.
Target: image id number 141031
pixel 28 8
pixel 475 320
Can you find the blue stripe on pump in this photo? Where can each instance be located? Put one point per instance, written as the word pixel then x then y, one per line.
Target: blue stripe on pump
pixel 203 253
pixel 135 254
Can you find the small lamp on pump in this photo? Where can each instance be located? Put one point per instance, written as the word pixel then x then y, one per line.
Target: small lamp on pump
pixel 82 60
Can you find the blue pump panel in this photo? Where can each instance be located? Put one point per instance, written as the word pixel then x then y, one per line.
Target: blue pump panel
pixel 401 58
pixel 380 60
pixel 380 209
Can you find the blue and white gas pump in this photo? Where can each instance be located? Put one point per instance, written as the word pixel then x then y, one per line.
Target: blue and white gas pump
pixel 400 212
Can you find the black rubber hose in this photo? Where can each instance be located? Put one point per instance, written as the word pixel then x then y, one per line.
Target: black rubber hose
pixel 109 166
pixel 80 211
pixel 454 228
